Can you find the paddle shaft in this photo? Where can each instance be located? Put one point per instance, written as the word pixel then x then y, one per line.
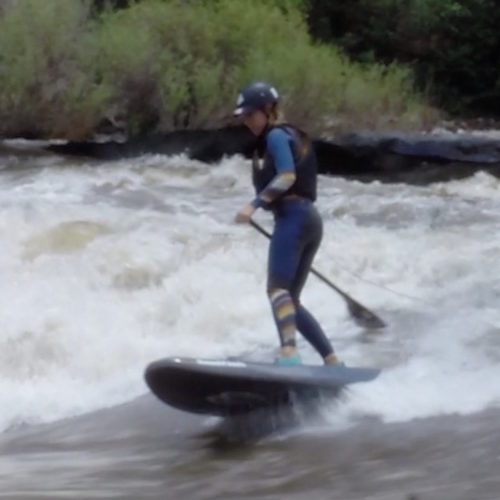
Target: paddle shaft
pixel 363 316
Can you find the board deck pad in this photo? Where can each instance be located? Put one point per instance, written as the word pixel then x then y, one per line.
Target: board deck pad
pixel 229 387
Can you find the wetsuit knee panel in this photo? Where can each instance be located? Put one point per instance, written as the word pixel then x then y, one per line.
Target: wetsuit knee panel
pixel 284 314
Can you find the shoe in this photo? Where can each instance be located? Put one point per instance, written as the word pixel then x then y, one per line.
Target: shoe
pixel 288 360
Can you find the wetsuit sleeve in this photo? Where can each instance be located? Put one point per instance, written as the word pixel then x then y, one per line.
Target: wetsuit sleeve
pixel 278 145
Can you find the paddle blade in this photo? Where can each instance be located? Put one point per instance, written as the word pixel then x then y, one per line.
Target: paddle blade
pixel 362 316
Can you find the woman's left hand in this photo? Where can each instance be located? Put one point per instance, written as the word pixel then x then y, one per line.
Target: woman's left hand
pixel 245 214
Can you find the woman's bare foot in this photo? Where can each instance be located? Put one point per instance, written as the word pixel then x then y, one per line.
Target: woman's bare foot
pixel 332 359
pixel 288 352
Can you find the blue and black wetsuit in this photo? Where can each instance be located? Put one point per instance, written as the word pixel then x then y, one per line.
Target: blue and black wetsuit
pixel 285 183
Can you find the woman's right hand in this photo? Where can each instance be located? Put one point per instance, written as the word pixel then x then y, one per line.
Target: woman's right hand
pixel 245 214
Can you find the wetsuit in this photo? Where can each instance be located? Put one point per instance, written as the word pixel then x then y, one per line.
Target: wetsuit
pixel 285 183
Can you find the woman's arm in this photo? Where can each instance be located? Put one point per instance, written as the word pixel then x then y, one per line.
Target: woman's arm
pixel 278 145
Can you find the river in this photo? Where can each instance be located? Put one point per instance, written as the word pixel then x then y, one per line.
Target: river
pixel 107 266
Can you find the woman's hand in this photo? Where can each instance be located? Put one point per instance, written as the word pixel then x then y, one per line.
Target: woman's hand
pixel 245 214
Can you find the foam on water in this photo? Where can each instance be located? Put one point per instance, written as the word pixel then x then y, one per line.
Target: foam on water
pixel 106 267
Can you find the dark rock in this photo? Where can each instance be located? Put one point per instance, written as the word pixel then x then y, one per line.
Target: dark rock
pixel 416 159
pixel 204 145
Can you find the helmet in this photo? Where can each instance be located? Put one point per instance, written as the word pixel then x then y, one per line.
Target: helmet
pixel 255 97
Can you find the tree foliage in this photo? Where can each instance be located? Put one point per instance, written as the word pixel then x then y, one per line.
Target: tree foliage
pixel 452 45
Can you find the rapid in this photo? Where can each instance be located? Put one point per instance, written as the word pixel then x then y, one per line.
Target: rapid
pixel 107 266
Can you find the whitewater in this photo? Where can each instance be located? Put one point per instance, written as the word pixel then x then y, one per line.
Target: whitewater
pixel 107 266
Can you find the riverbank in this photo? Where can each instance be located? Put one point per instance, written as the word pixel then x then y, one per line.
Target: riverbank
pixel 439 156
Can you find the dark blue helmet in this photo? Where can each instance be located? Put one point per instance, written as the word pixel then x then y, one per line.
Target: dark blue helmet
pixel 255 96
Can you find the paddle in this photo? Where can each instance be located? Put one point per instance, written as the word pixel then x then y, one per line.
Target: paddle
pixel 361 315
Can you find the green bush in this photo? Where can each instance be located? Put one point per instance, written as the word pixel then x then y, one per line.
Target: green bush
pixel 46 81
pixel 171 64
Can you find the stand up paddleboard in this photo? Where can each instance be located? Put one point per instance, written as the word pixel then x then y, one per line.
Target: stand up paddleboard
pixel 222 388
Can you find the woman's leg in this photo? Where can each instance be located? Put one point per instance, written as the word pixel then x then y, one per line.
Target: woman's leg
pixel 284 254
pixel 307 325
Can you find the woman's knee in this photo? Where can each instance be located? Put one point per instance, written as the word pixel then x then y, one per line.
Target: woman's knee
pixel 274 292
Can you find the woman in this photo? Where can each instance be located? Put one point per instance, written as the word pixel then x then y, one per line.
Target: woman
pixel 285 184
